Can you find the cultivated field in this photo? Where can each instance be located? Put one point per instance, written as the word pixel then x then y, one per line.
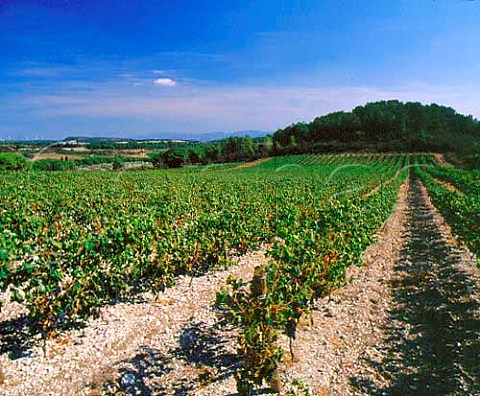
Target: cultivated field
pixel 214 280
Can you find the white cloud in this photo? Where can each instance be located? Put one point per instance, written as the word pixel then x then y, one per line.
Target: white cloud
pixel 165 82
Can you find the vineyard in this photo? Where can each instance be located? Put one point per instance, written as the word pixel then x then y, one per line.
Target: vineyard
pixel 457 194
pixel 73 243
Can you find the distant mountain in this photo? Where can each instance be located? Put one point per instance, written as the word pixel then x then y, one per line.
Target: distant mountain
pixel 88 139
pixel 202 137
pixel 210 136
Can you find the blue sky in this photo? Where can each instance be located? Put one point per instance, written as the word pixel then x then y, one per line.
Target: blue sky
pixel 178 68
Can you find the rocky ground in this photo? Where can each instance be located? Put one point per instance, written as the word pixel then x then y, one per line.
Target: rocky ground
pixel 406 323
pixel 167 344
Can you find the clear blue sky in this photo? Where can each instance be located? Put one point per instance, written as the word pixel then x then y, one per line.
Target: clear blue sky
pixel 146 67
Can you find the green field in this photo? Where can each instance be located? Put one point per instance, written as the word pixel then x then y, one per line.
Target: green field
pixel 72 242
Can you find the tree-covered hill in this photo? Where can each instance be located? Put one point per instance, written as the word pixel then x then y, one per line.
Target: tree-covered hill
pixel 384 126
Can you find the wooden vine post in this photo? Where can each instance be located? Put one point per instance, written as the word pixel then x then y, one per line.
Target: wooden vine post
pixel 263 351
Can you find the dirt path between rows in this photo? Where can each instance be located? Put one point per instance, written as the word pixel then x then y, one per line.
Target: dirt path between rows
pixel 250 164
pixel 441 160
pixel 432 343
pixel 408 323
pixel 447 185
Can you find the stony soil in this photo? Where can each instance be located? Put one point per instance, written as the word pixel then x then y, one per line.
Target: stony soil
pixel 406 323
pixel 167 344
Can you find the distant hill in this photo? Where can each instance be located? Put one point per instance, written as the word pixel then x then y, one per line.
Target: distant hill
pixel 167 136
pixel 88 139
pixel 383 126
pixel 106 139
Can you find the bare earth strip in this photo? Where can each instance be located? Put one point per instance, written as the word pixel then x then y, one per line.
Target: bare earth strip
pixel 142 347
pixel 441 160
pixel 447 185
pixel 409 321
pixel 347 324
pixel 250 164
pixel 434 337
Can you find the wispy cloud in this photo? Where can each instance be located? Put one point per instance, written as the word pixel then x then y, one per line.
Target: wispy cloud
pixel 233 107
pixel 165 82
pixel 41 71
pixel 192 55
pixel 161 72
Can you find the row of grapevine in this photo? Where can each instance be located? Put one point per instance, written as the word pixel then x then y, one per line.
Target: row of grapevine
pixel 327 159
pixel 318 239
pixel 459 206
pixel 463 180
pixel 74 241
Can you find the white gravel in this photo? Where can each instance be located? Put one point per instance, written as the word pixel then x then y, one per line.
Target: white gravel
pixel 80 362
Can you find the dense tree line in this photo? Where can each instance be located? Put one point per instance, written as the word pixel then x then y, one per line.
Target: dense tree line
pixel 384 126
pixel 231 149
